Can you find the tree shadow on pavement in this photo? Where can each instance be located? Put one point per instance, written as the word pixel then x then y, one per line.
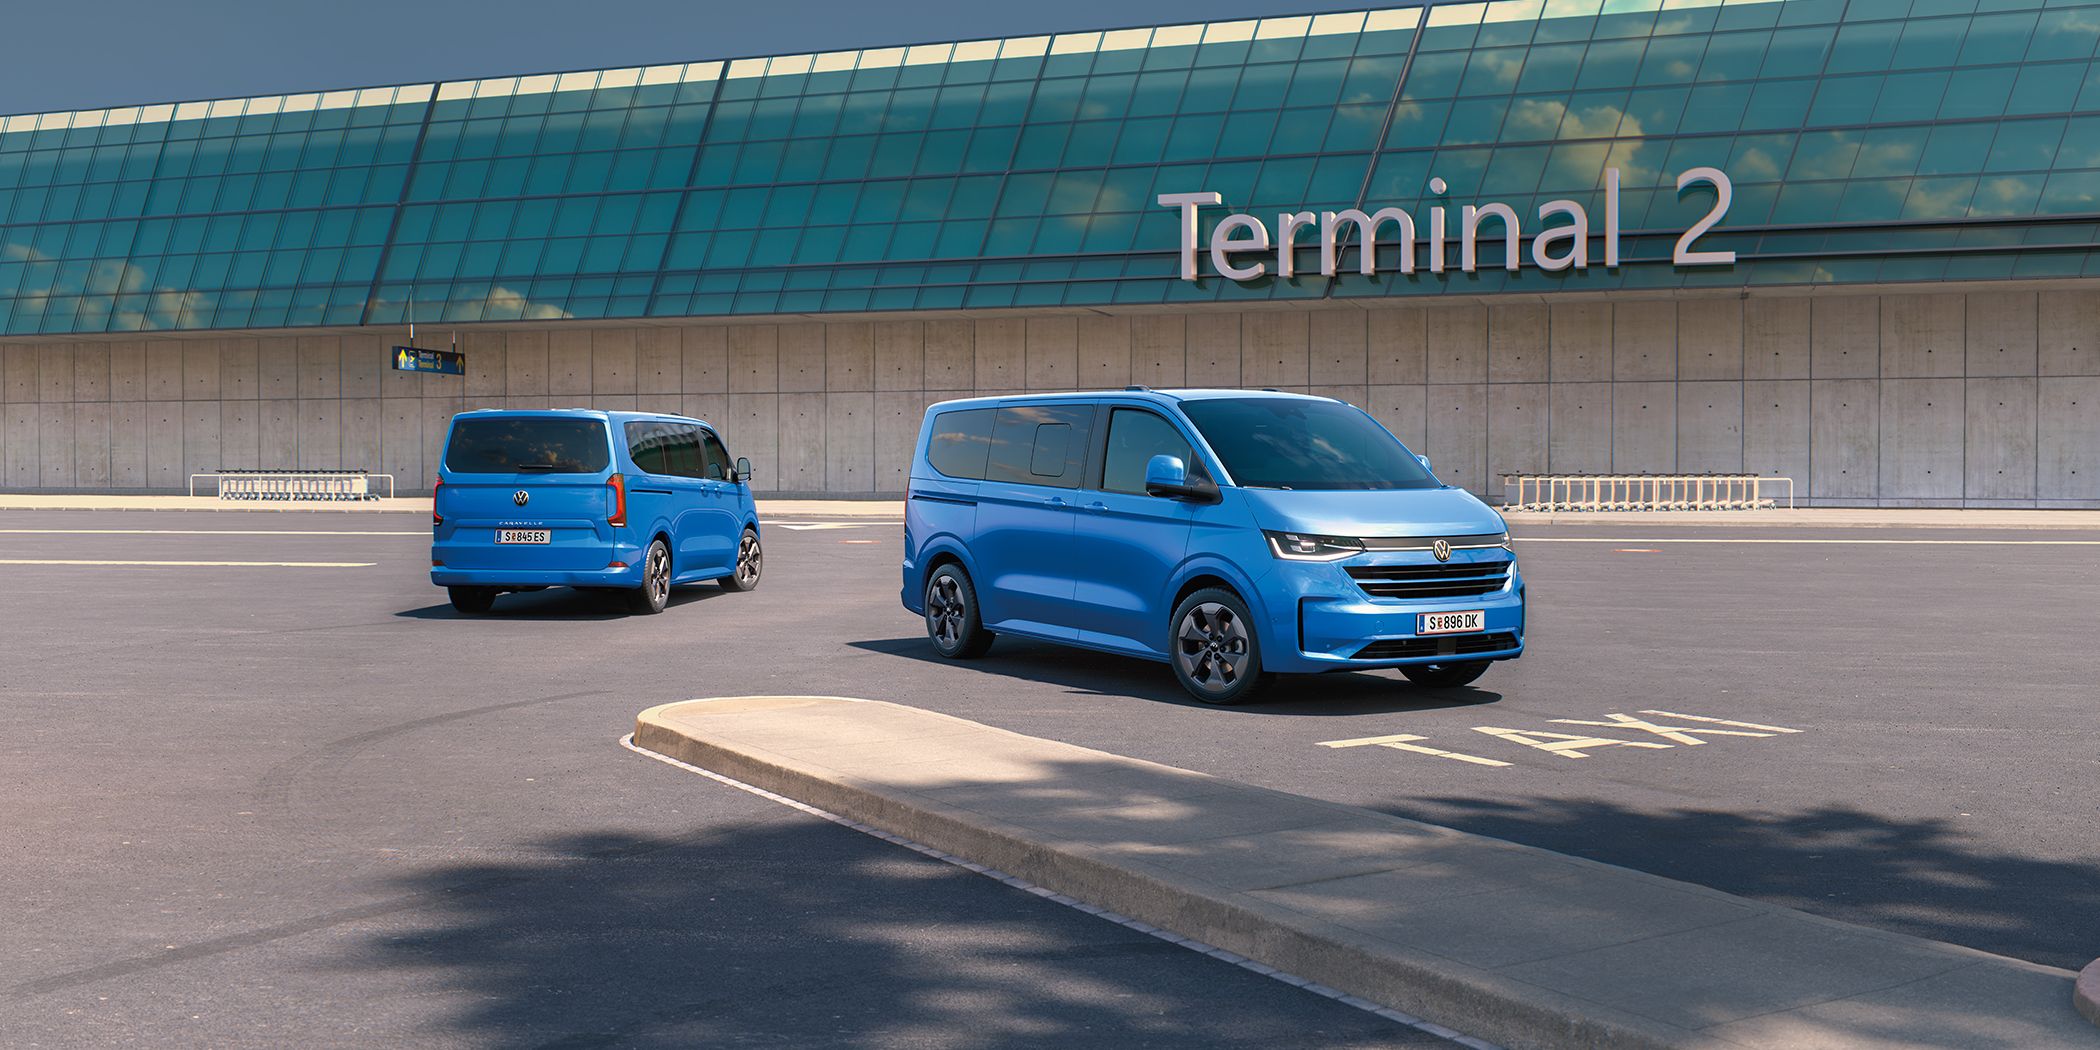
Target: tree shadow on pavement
pixel 1106 674
pixel 798 933
pixel 1919 877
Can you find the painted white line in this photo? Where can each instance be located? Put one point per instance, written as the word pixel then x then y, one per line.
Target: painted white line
pixel 1523 540
pixel 1055 897
pixel 195 564
pixel 815 526
pixel 200 532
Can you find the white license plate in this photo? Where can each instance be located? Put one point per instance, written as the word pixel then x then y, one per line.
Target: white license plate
pixel 1468 622
pixel 523 535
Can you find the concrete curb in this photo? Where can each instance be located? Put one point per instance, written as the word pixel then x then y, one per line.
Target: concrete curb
pixel 790 746
pixel 2085 995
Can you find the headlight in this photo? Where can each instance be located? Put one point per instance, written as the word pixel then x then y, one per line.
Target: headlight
pixel 1298 546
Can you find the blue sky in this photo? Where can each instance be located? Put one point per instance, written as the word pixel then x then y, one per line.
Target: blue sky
pixel 59 56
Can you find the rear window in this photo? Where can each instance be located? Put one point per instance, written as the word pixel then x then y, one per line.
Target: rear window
pixel 961 442
pixel 528 445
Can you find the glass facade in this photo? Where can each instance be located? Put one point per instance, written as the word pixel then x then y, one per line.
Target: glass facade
pixel 1867 141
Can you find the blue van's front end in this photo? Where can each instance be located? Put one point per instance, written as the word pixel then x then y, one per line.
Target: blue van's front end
pixel 1385 579
pixel 529 524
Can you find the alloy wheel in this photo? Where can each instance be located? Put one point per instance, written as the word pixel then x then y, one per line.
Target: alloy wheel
pixel 945 611
pixel 1212 647
pixel 749 560
pixel 657 574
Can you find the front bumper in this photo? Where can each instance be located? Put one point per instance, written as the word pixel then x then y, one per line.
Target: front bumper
pixel 1331 620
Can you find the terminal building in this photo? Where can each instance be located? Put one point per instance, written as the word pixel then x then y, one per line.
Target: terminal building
pixel 1847 242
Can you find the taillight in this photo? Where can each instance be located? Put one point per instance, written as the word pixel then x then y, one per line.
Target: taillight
pixel 618 496
pixel 436 519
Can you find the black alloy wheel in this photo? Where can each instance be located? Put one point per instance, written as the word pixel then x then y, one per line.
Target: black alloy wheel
pixel 951 615
pixel 1216 650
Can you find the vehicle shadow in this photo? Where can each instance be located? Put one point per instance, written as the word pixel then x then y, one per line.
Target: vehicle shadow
pixel 1923 877
pixel 563 603
pixel 794 932
pixel 1106 674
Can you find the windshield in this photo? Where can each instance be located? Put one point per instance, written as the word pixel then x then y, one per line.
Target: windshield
pixel 527 444
pixel 1288 443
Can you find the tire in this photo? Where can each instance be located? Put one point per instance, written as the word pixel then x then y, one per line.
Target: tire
pixel 472 601
pixel 750 561
pixel 1215 649
pixel 1446 676
pixel 952 622
pixel 655 591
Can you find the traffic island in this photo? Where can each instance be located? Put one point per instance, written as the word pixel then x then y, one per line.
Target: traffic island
pixel 1522 946
pixel 2086 995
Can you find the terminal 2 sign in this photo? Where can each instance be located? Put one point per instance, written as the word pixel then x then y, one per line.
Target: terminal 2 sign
pixel 1561 246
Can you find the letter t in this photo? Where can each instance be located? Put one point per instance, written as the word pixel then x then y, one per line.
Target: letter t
pixel 1188 202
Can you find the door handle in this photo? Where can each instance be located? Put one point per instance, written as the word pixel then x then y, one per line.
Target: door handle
pixel 1057 501
pixel 1097 506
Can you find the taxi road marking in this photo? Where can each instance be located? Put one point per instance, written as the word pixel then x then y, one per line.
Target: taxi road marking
pixel 1400 742
pixel 1567 745
pixel 196 564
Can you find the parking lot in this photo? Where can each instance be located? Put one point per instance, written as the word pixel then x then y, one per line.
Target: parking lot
pixel 265 783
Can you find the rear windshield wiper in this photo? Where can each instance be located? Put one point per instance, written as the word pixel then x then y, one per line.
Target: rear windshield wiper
pixel 541 466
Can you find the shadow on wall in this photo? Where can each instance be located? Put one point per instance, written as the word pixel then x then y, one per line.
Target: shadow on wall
pixel 1919 877
pixel 798 933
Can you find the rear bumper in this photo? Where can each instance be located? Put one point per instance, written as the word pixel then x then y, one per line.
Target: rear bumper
pixel 627 577
pixel 585 564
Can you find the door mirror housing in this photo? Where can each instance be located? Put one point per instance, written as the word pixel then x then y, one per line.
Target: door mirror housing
pixel 1422 459
pixel 1169 478
pixel 743 470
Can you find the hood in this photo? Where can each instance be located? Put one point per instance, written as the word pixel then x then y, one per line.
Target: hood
pixel 1390 512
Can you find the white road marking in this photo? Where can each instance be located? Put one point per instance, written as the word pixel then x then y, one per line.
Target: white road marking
pixel 1055 897
pixel 195 564
pixel 814 526
pixel 1405 742
pixel 1521 540
pixel 200 532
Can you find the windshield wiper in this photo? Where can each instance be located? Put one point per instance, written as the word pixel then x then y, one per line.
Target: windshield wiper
pixel 522 467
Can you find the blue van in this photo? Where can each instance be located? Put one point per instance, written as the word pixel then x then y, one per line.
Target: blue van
pixel 1233 534
pixel 629 501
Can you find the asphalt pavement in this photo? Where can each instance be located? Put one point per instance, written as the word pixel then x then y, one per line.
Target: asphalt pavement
pixel 305 802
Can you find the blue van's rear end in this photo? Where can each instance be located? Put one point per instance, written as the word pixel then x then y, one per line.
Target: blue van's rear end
pixel 531 499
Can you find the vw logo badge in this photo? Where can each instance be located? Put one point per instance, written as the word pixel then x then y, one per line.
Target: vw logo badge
pixel 1441 548
pixel 521 497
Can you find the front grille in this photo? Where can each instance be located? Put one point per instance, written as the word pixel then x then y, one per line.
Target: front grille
pixel 1446 645
pixel 1456 579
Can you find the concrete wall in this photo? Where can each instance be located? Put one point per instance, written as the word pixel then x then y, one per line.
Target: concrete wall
pixel 1990 398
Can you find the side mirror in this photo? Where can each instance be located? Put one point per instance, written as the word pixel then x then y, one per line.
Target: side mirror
pixel 1168 477
pixel 743 469
pixel 1422 459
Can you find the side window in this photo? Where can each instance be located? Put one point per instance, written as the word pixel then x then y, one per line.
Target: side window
pixel 1134 437
pixel 645 445
pixel 681 450
pixel 715 461
pixel 1040 445
pixel 961 442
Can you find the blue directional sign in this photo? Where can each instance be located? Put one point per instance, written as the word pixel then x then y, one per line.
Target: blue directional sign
pixel 416 359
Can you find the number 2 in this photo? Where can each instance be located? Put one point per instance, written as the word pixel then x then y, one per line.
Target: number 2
pixel 1724 192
